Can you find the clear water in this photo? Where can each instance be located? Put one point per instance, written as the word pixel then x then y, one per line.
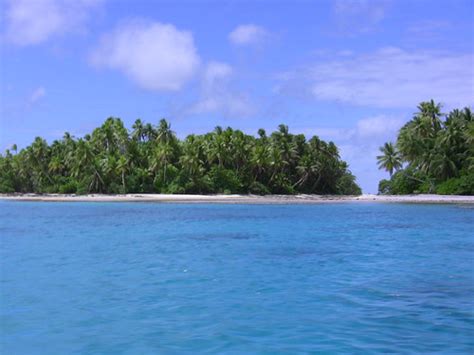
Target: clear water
pixel 140 278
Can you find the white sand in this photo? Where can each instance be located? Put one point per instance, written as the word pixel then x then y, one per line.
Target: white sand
pixel 270 199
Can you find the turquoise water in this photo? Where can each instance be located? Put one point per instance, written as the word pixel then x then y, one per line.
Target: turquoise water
pixel 141 278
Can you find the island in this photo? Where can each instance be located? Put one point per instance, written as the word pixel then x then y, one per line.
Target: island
pixel 152 159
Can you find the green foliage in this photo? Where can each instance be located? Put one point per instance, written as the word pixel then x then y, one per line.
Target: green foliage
pixel 463 185
pixel 400 184
pixel 390 159
pixel 225 180
pixel 257 188
pixel 405 182
pixel 174 188
pixel 425 187
pixel 346 185
pixel 438 151
pixel 449 187
pixel 385 187
pixel 151 159
pixel 69 187
pixel 5 188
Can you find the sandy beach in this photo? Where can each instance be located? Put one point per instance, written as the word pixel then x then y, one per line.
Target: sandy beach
pixel 244 199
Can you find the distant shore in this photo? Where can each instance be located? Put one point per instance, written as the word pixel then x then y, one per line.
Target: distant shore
pixel 243 199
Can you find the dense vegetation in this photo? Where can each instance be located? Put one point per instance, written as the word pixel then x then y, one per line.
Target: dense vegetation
pixel 153 159
pixel 434 153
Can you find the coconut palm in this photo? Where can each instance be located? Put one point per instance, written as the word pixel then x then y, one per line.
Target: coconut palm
pixel 436 147
pixel 147 159
pixel 162 159
pixel 309 171
pixel 164 134
pixel 122 168
pixel 390 159
pixel 138 133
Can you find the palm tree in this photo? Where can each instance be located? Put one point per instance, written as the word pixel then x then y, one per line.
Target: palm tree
pixel 469 137
pixel 284 144
pixel 215 147
pixel 436 148
pixel 191 160
pixel 122 168
pixel 149 132
pixel 161 159
pixel 38 156
pixel 442 166
pixel 56 165
pixel 390 159
pixel 260 160
pixel 149 159
pixel 309 170
pixel 164 134
pixel 239 149
pixel 138 133
pixel 432 111
pixel 86 164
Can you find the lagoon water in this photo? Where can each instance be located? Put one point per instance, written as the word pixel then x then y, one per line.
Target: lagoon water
pixel 141 278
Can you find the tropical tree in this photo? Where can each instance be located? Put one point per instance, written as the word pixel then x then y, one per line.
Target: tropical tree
pixel 138 133
pixel 152 159
pixel 437 150
pixel 390 159
pixel 122 168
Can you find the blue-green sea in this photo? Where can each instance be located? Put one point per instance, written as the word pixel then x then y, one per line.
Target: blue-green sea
pixel 148 278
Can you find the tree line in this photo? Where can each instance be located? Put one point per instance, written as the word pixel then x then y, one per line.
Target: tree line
pixel 152 159
pixel 433 153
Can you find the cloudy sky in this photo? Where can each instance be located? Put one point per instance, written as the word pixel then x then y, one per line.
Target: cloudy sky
pixel 350 71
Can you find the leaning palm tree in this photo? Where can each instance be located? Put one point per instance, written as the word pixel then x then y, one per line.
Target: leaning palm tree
pixel 390 159
pixel 308 170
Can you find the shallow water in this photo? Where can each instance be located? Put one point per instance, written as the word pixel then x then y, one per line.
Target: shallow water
pixel 142 278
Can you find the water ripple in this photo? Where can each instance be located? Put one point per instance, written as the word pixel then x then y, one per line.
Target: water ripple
pixel 164 278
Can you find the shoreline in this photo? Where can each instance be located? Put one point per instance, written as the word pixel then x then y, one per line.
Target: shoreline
pixel 241 199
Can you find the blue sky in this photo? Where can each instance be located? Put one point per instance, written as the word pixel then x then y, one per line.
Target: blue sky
pixel 350 71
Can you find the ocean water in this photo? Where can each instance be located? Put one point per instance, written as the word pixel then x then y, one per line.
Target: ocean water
pixel 143 278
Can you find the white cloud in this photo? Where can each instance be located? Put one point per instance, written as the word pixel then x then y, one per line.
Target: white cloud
pixel 359 16
pixel 215 72
pixel 345 53
pixel 248 35
pixel 217 94
pixel 333 134
pixel 359 145
pixel 428 28
pixel 366 130
pixel 30 22
pixel 37 95
pixel 388 78
pixel 378 127
pixel 375 9
pixel 156 56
